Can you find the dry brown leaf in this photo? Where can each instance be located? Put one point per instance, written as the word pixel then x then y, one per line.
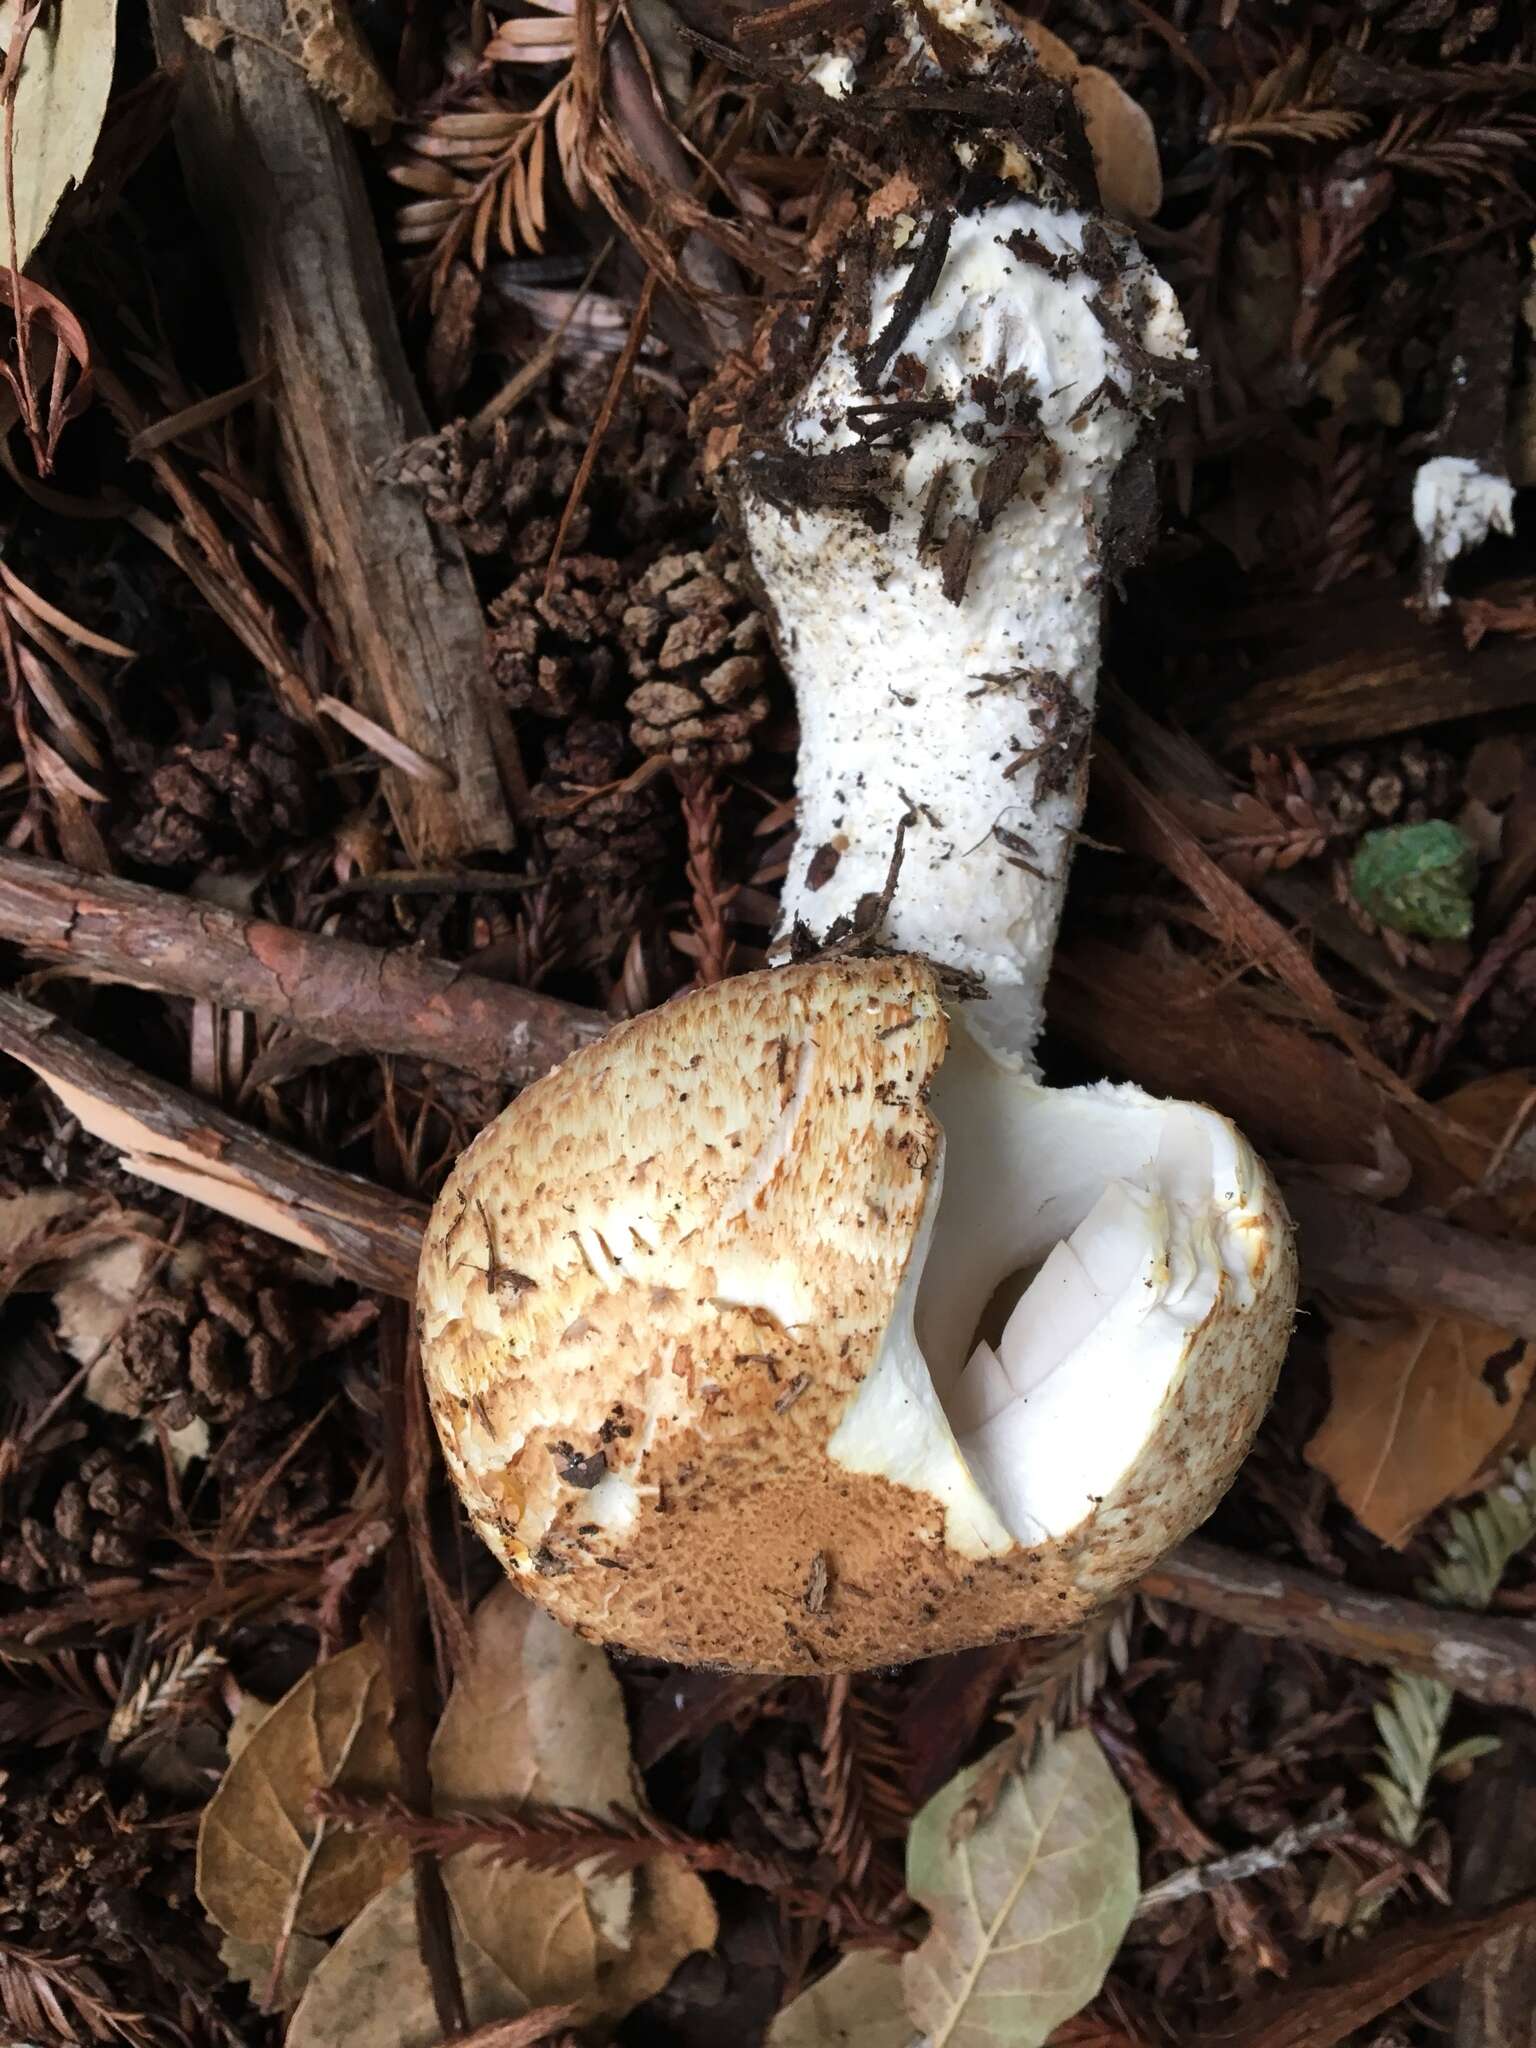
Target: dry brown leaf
pixel 1418 1404
pixel 257 1846
pixel 1367 1979
pixel 533 1924
pixel 536 1717
pixel 1498 1152
pixel 1421 1403
pixel 522 1938
pixel 674 1917
pixel 1120 134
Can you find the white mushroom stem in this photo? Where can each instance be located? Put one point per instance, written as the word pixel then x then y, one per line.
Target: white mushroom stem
pixel 927 521
pixel 958 694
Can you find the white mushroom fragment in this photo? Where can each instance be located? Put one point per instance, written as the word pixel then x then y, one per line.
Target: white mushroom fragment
pixel 710 1319
pixel 797 1326
pixel 1457 503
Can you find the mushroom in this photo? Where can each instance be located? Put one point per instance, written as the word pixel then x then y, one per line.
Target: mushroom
pixel 797 1326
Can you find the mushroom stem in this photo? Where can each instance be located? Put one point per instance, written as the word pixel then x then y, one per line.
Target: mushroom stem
pixel 930 514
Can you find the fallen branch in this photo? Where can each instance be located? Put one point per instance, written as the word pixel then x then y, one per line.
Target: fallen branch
pixel 276 178
pixel 361 999
pixel 354 997
pixel 1491 1661
pixel 174 1139
pixel 1345 1241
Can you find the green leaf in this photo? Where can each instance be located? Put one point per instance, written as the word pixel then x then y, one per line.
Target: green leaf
pixel 858 2004
pixel 1418 879
pixel 1028 1907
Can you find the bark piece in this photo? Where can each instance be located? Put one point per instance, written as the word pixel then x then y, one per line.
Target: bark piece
pixel 355 997
pixel 273 173
pixel 1313 685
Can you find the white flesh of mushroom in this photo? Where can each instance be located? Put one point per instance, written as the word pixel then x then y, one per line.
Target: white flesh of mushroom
pixel 960 710
pixel 1127 1222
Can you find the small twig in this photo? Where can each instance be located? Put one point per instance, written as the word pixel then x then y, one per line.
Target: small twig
pixel 1225 1870
pixel 702 799
pixel 524 2032
pixel 1345 1241
pixel 523 380
pixel 561 1838
pixel 184 1144
pixel 1238 1918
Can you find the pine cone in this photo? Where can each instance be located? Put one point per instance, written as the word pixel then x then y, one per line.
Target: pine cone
pixel 505 492
pixel 501 494
pixel 555 654
pixel 1399 782
pixel 694 637
pixel 618 835
pixel 232 1332
pixel 107 1511
pixel 62 1846
pixel 223 803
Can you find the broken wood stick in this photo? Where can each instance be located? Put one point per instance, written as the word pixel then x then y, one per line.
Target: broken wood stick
pixel 1484 1659
pixel 180 1142
pixel 274 174
pixel 1344 1241
pixel 355 997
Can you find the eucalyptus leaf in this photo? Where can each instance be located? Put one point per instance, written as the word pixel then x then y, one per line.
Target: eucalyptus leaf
pixel 1027 1906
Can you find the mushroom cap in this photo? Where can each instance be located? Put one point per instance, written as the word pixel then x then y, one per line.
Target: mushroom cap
pixel 652 1291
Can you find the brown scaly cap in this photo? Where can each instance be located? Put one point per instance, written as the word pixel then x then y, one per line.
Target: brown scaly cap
pixel 648 1293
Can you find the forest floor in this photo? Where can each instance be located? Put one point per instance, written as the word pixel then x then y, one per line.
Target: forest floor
pixel 313 406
